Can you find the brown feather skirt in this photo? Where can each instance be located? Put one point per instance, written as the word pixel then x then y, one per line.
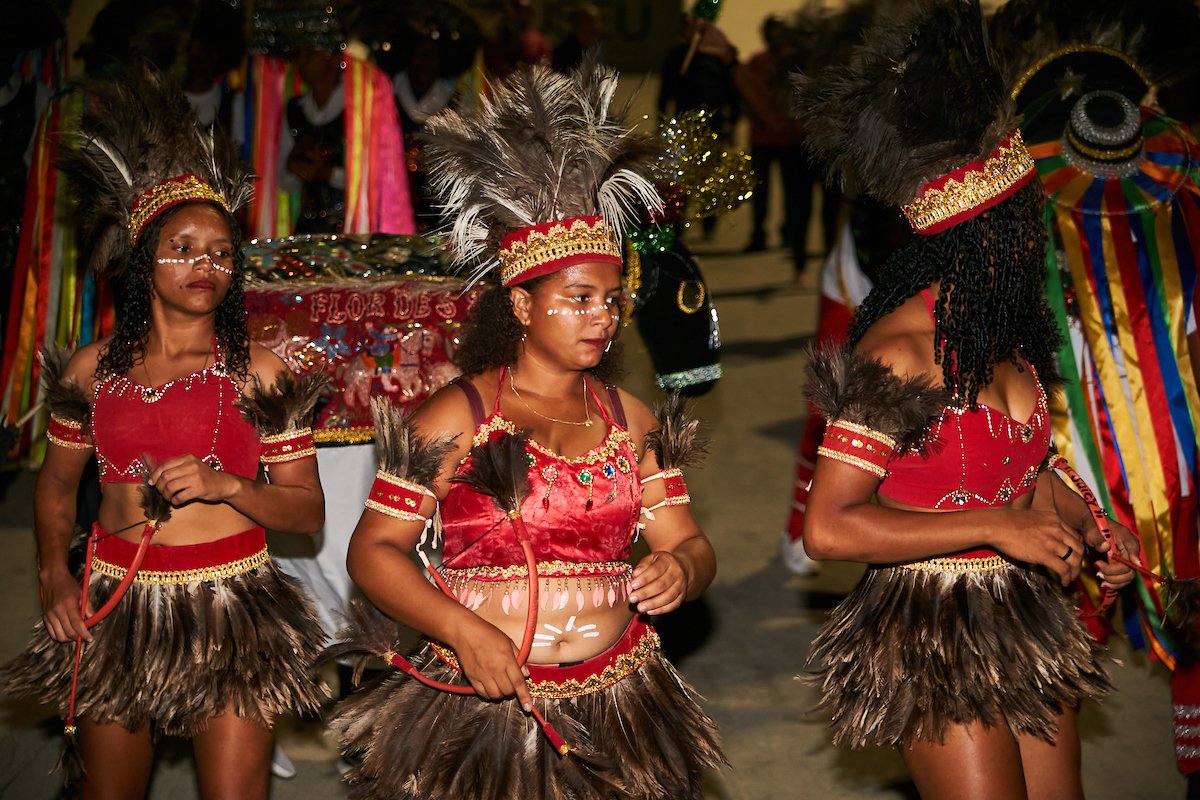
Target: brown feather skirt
pixel 643 736
pixel 176 653
pixel 917 648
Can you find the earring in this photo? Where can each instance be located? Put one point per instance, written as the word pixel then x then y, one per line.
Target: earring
pixel 608 346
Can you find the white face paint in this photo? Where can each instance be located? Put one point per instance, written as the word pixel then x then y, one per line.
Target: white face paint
pixel 192 261
pixel 576 312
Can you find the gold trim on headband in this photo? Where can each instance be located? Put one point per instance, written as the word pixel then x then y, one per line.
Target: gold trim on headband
pixel 560 241
pixel 164 194
pixel 998 173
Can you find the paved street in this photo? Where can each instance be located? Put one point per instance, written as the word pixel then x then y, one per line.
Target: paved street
pixel 742 645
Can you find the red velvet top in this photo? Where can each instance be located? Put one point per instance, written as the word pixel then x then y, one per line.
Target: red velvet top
pixel 555 512
pixel 973 459
pixel 191 415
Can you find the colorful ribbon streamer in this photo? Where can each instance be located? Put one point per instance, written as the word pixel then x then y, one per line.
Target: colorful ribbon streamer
pixel 1129 245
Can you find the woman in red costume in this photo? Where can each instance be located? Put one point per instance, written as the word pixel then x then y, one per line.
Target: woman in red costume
pixel 572 645
pixel 205 639
pixel 959 646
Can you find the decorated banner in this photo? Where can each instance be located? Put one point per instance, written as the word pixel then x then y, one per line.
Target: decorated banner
pixel 375 313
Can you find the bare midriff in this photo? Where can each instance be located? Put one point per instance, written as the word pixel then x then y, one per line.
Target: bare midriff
pixel 121 514
pixel 579 615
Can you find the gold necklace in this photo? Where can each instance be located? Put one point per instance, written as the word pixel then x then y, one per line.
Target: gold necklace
pixel 587 409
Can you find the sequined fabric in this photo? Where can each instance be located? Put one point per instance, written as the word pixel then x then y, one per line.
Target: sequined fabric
pixel 193 415
pixel 581 509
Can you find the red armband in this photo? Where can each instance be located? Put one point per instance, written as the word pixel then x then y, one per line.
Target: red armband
pixel 290 445
pixel 68 433
pixel 675 491
pixel 674 487
pixel 396 497
pixel 858 446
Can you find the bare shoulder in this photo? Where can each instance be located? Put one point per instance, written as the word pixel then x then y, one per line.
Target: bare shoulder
pixel 447 412
pixel 82 365
pixel 638 416
pixel 903 340
pixel 265 365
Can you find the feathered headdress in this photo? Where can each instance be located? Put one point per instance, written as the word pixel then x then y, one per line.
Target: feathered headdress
pixel 920 116
pixel 140 152
pixel 543 176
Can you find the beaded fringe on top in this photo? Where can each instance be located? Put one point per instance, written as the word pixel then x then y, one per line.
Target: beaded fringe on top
pixel 910 652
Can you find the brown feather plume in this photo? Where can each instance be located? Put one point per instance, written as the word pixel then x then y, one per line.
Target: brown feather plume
pixel 920 97
pixel 401 450
pixel 285 405
pixel 676 442
pixel 500 469
pixel 542 146
pixel 64 396
pixel 368 634
pixel 136 131
pixel 154 505
pixel 845 384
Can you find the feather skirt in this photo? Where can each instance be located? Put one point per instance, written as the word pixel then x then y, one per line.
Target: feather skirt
pixel 643 737
pixel 175 655
pixel 910 652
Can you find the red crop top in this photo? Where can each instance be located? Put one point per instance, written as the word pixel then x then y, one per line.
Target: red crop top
pixel 193 415
pixel 972 459
pixel 556 511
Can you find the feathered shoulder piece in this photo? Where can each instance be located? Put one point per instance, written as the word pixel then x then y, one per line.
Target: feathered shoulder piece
pixel 542 147
pixel 847 385
pixel 919 98
pixel 401 451
pixel 64 396
pixel 677 441
pixel 286 405
pixel 137 152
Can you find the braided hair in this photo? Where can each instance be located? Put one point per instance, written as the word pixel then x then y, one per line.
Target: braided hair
pixel 991 306
pixel 134 279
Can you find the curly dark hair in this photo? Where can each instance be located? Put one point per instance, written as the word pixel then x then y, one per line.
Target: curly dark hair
pixel 992 305
pixel 128 343
pixel 492 336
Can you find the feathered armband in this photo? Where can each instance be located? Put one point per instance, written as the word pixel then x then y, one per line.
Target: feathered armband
pixel 408 463
pixel 69 407
pixel 676 444
pixel 872 413
pixel 281 415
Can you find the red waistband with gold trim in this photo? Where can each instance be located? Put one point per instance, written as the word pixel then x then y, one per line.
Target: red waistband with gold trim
pixel 209 561
pixel 625 657
pixel 981 560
